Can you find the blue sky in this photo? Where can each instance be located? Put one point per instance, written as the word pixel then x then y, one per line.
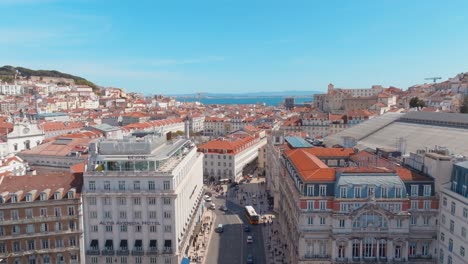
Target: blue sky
pixel 238 46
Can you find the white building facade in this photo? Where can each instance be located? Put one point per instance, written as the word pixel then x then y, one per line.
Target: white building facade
pixel 11 89
pixel 141 199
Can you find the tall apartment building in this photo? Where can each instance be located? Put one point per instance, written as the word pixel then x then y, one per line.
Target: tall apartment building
pixel 453 219
pixel 335 208
pixel 40 219
pixel 141 199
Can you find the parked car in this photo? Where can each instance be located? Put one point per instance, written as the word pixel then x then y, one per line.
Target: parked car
pixel 249 239
pixel 250 259
pixel 246 228
pixel 219 229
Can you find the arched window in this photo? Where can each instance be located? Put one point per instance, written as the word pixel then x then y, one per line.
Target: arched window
pixel 370 219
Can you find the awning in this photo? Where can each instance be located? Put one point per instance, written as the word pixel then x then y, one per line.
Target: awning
pixel 138 243
pixel 109 244
pixel 94 243
pixel 153 243
pixel 123 243
pixel 185 261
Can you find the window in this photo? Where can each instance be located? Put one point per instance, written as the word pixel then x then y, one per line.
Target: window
pixel 123 214
pixel 123 228
pixel 342 223
pixel 15 229
pixel 452 208
pixel 442 236
pixel 427 204
pixel 123 260
pixel 465 212
pixel 151 186
pixel 310 190
pixel 57 211
pixel 93 214
pixel 152 214
pixel 450 245
pixel 58 226
pixel 14 214
pixel 152 200
pixel 136 200
pixel 107 185
pixel 310 205
pixel 44 227
pixel 58 243
pixel 444 201
pixel 72 241
pixel 166 200
pixel 426 220
pixel 109 260
pixel 167 215
pixel 399 223
pixel 2 231
pixel 137 215
pixel 29 197
pixel 310 220
pixel 398 192
pixel 462 251
pixel 414 190
pixel 136 185
pixel 153 260
pixel 425 249
pixel 106 201
pixel 107 214
pixel 449 260
pixel 45 243
pixel 94 260
pixel 384 192
pixel 153 229
pixel 167 185
pixel 323 205
pixel 357 192
pixel 414 204
pixel 92 185
pixel 413 220
pixel 30 229
pixel 343 192
pixel 121 185
pixel 138 260
pixel 108 228
pixel 167 228
pixel 29 213
pixel 322 220
pixel 92 200
pixel 370 191
pixel 323 190
pixel 412 249
pixel 138 228
pixel 121 201
pixel 71 210
pixel 452 226
pixel 441 256
pixel 427 190
pixel 16 246
pixel 463 232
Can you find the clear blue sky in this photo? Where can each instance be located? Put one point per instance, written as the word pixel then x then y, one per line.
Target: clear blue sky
pixel 238 46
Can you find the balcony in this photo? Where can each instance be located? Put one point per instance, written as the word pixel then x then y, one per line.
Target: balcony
pixel 138 252
pixel 310 256
pixel 152 251
pixel 123 252
pixel 167 250
pixel 108 252
pixel 341 260
pixel 92 252
pixel 419 257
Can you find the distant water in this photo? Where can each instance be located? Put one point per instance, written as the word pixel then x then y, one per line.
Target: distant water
pixel 268 100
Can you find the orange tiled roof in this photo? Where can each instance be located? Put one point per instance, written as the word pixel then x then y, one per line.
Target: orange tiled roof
pixel 330 152
pixel 309 166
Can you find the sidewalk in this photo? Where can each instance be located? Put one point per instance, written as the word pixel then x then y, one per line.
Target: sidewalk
pixel 200 244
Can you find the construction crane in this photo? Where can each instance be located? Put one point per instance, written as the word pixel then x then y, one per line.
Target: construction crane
pixel 434 79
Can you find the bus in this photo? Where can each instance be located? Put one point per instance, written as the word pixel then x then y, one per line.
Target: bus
pixel 252 216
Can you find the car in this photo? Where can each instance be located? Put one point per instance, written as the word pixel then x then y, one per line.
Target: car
pixel 212 206
pixel 246 228
pixel 249 239
pixel 208 199
pixel 250 258
pixel 223 208
pixel 219 229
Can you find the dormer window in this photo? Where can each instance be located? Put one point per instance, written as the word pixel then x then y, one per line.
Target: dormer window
pixel 29 197
pixel 14 199
pixel 2 200
pixel 57 196
pixel 71 194
pixel 43 197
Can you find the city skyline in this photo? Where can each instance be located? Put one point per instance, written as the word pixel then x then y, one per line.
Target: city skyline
pixel 231 47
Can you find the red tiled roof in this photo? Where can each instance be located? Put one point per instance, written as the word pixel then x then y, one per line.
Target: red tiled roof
pixel 310 167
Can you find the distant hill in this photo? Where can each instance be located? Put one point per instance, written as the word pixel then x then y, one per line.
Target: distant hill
pixel 7 73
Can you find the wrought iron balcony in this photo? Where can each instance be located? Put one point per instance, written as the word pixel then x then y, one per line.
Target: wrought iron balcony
pixel 167 250
pixel 108 252
pixel 152 251
pixel 138 252
pixel 123 252
pixel 317 256
pixel 92 252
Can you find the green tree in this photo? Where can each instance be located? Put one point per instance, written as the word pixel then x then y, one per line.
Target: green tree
pixel 416 102
pixel 464 106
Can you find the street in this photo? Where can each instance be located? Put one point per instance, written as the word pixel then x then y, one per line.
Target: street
pixel 231 245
